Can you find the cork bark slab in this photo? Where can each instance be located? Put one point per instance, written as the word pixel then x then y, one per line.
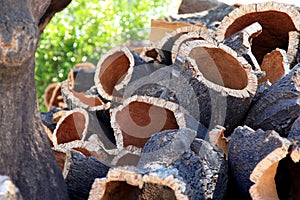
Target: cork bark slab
pixel 141 116
pixel 277 20
pixel 161 51
pixel 114 71
pixel 222 82
pixel 80 172
pixel 254 156
pixel 81 77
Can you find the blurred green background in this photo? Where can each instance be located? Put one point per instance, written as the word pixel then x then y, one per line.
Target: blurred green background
pixel 85 30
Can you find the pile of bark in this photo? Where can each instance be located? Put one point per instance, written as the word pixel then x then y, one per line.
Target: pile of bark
pixel 209 109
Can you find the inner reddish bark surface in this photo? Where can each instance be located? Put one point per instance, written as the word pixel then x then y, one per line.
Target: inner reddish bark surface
pixel 71 128
pixel 116 190
pixel 91 101
pixel 138 121
pixel 275 25
pixel 219 67
pixel 60 159
pixel 114 69
pixel 84 151
pixel 273 66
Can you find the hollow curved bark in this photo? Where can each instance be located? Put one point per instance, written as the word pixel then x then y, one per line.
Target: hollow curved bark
pixel 25 153
pixel 167 164
pixel 133 127
pixel 223 82
pixel 162 50
pixel 114 71
pixel 277 20
pixel 267 149
pixel 53 96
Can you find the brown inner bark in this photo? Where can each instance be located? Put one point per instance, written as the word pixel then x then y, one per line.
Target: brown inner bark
pixel 71 128
pixel 287 179
pixel 60 159
pixel 116 190
pixel 219 67
pixel 84 151
pixel 151 53
pixel 91 101
pixel 275 25
pixel 114 69
pixel 138 121
pixel 273 66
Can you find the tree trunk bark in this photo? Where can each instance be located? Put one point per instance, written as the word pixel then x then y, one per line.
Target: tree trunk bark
pixel 25 153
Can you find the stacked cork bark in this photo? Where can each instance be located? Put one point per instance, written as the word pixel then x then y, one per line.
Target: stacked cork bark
pixel 209 109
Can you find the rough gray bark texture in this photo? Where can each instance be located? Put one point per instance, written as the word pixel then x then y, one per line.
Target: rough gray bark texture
pixel 202 168
pixel 278 106
pixel 246 149
pixel 80 172
pixel 25 153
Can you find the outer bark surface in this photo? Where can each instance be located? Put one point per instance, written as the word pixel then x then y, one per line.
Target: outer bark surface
pixel 278 106
pixel 25 153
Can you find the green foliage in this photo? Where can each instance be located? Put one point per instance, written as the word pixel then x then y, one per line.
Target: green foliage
pixel 85 30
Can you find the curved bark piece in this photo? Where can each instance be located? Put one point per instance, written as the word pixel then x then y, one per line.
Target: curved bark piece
pixel 53 96
pixel 278 106
pixel 8 189
pixel 267 149
pixel 114 71
pixel 164 148
pixel 80 172
pixel 78 124
pixel 211 18
pixel 222 81
pixel 161 51
pixel 275 65
pixel 139 117
pixel 172 147
pixel 72 126
pixel 81 77
pixel 192 6
pixel 50 118
pixel 241 42
pixel 129 183
pixel 168 84
pixel 74 99
pixel 87 148
pixel 197 175
pixel 200 34
pixel 217 168
pixel 277 20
